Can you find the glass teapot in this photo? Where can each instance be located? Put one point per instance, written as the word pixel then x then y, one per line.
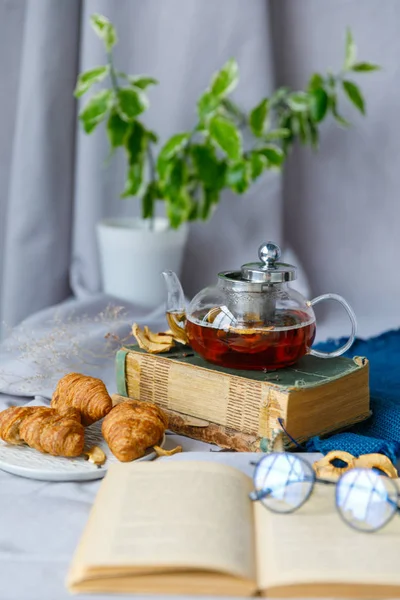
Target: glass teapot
pixel 251 319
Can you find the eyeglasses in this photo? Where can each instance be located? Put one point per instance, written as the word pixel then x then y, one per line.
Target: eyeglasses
pixel 365 499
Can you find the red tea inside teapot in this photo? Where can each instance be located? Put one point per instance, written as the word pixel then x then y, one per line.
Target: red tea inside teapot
pixel 251 319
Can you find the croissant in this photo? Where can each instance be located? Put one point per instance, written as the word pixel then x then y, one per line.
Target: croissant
pixel 51 432
pixel 10 420
pixel 132 427
pixel 88 394
pixel 44 429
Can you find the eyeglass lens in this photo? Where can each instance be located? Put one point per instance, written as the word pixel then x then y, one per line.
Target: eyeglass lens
pixel 365 499
pixel 283 482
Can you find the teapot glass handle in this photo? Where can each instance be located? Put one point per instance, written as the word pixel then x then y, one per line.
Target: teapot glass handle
pixel 352 318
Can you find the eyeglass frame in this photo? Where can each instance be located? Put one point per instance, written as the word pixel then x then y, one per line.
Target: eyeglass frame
pixel 256 496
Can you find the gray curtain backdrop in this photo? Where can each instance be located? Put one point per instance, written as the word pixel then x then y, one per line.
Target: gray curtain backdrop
pixel 338 209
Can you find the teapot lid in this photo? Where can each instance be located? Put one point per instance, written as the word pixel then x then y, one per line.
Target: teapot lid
pixel 268 270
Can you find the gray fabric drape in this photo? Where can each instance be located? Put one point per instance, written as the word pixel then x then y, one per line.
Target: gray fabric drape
pixel 59 186
pixel 339 207
pixel 38 205
pixel 342 210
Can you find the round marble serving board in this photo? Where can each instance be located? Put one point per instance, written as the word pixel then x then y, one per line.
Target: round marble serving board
pixel 27 462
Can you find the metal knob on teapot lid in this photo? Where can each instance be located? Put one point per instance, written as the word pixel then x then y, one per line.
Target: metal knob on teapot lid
pixel 268 270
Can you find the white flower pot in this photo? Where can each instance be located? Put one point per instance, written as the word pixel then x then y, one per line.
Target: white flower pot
pixel 132 258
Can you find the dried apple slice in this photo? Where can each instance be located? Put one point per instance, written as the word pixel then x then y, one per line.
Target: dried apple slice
pixel 177 331
pixel 146 344
pixel 95 455
pixel 158 338
pixel 161 452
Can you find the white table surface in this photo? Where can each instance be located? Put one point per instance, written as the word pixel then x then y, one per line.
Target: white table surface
pixel 41 524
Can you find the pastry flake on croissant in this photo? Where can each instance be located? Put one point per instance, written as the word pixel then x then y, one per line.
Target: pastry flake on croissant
pixel 87 394
pixel 10 421
pixel 51 432
pixel 132 427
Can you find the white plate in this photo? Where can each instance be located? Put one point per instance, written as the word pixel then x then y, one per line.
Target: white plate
pixel 27 462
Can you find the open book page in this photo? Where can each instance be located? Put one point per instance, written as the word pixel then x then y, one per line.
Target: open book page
pixel 165 516
pixel 314 546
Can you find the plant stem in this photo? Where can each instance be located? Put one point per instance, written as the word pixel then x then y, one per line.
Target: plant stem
pixel 114 82
pixel 151 162
pixel 113 75
pixel 152 165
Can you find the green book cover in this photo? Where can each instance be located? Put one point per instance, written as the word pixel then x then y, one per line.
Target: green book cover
pixel 308 372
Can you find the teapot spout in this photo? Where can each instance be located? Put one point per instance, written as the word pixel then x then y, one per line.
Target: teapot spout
pixel 176 312
pixel 176 297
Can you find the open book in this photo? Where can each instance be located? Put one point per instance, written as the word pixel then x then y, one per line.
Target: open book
pixel 190 528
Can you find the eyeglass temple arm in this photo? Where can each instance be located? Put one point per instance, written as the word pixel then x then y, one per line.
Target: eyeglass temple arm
pixel 394 503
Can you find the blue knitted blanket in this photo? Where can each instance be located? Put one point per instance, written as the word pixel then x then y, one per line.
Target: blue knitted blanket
pixel 381 432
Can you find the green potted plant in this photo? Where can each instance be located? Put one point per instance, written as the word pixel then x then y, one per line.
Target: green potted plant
pixel 226 148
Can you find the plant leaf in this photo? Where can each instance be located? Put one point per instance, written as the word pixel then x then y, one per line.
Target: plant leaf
pixel 331 80
pixel 337 116
pixel 288 123
pixel 225 80
pixel 170 149
pixel 298 101
pixel 233 109
pixel 177 177
pixel 279 95
pixel 273 154
pixel 131 103
pixel 354 94
pixel 278 134
pixel 105 30
pixel 207 105
pixel 227 136
pixel 351 51
pixel 194 211
pixel 318 104
pixel 258 118
pixel 152 136
pixel 88 78
pixel 117 129
pixel 302 127
pixel 179 207
pixel 96 110
pixel 134 180
pixel 135 143
pixel 209 169
pixel 174 212
pixel 174 145
pixel 210 199
pixel 342 121
pixel 364 67
pixel 258 163
pixel 238 176
pixel 148 201
pixel 316 81
pixel 142 81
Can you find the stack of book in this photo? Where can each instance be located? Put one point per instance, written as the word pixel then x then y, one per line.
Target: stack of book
pixel 245 410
